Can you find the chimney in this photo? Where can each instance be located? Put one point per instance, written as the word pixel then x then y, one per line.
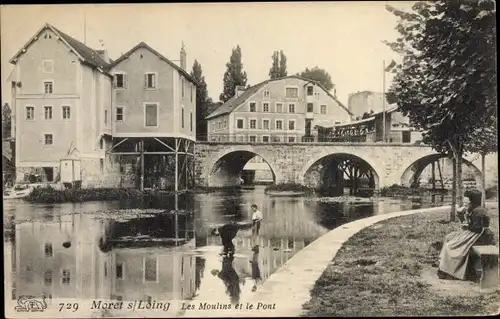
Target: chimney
pixel 239 89
pixel 103 54
pixel 183 57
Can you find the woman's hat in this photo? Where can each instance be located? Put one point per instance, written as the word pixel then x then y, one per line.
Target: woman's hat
pixel 473 195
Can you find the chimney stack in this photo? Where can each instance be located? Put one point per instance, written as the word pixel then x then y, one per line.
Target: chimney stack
pixel 183 57
pixel 239 89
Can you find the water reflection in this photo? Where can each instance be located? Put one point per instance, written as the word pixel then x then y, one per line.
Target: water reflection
pixel 95 250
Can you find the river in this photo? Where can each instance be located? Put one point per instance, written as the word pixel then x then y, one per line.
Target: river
pixel 144 251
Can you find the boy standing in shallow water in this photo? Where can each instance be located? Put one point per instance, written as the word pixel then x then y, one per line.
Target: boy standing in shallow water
pixel 256 220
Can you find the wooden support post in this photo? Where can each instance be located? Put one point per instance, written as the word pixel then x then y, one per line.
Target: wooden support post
pixel 142 164
pixel 440 174
pixel 176 167
pixel 433 175
pixel 176 214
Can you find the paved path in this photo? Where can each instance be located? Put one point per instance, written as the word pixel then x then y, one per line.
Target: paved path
pixel 289 287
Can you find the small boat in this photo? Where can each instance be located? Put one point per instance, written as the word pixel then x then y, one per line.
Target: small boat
pixel 19 191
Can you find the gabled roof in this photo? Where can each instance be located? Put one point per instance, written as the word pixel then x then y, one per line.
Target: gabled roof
pixel 85 54
pixel 159 55
pixel 234 102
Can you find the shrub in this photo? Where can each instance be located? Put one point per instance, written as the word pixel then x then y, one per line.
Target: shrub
pixel 51 195
pixel 397 190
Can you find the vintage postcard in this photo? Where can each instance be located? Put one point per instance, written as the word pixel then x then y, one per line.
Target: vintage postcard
pixel 250 159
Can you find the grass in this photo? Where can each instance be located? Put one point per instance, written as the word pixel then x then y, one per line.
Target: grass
pixel 380 272
pixel 289 187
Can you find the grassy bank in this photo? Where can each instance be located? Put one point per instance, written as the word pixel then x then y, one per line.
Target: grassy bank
pixel 389 269
pixel 290 187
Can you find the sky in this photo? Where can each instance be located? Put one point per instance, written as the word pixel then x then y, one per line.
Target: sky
pixel 344 38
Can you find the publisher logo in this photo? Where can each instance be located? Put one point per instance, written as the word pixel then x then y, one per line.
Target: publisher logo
pixel 30 304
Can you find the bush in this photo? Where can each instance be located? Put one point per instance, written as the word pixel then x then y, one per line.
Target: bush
pixel 51 195
pixel 290 187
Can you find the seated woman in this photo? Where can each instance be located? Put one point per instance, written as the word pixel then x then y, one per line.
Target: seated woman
pixel 455 260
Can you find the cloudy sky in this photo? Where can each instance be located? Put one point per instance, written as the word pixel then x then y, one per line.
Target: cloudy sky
pixel 344 38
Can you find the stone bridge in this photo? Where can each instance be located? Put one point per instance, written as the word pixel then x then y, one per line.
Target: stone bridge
pixel 220 164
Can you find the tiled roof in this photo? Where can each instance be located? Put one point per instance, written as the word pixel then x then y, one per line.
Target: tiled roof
pixel 88 55
pixel 144 45
pixel 234 102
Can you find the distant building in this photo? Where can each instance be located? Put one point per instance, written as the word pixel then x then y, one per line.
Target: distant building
pixel 363 102
pixel 279 110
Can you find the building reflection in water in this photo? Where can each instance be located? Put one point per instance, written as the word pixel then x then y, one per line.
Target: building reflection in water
pixel 80 256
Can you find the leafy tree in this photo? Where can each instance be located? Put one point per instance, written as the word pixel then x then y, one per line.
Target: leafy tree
pixel 203 102
pixel 365 115
pixel 282 69
pixel 234 75
pixel 446 83
pixel 318 75
pixel 6 121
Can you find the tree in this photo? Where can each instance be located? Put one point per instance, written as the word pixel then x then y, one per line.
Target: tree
pixel 203 102
pixel 318 75
pixel 278 68
pixel 446 82
pixel 234 75
pixel 6 121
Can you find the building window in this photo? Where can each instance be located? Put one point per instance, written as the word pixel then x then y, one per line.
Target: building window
pixel 151 115
pixel 218 125
pixel 265 139
pixel 323 109
pixel 119 113
pixel 150 271
pixel 66 112
pixel 66 277
pixel 291 108
pixel 316 96
pixel 279 124
pixel 48 87
pixel 253 107
pixel 182 117
pixel 48 250
pixel 292 92
pixel 150 80
pixel 310 90
pixel 191 92
pixel 291 139
pixel 47 277
pixel 48 66
pixel 225 123
pixel 105 117
pixel 253 124
pixel 182 86
pixel 267 94
pixel 119 270
pixel 48 112
pixel 120 80
pixel 265 107
pixel 105 269
pixel 48 139
pixel 279 107
pixel 253 138
pixel 101 143
pixel 291 125
pixel 30 112
pixel 239 123
pixel 101 164
pixel 406 136
pixel 310 107
pixel 265 124
pixel 191 121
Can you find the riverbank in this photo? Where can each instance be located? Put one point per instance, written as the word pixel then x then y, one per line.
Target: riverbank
pixel 289 189
pixel 389 269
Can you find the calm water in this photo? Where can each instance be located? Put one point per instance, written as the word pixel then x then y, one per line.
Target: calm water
pixel 94 250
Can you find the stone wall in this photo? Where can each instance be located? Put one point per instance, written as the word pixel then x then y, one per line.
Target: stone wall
pixel 290 162
pixel 94 177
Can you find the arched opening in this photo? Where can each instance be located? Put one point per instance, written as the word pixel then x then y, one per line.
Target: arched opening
pixel 436 172
pixel 339 174
pixel 241 168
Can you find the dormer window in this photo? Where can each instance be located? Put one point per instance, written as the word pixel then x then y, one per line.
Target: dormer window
pixel 267 93
pixel 310 90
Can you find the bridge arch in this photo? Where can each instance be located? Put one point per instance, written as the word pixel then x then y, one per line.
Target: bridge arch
pixel 412 173
pixel 331 172
pixel 227 168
